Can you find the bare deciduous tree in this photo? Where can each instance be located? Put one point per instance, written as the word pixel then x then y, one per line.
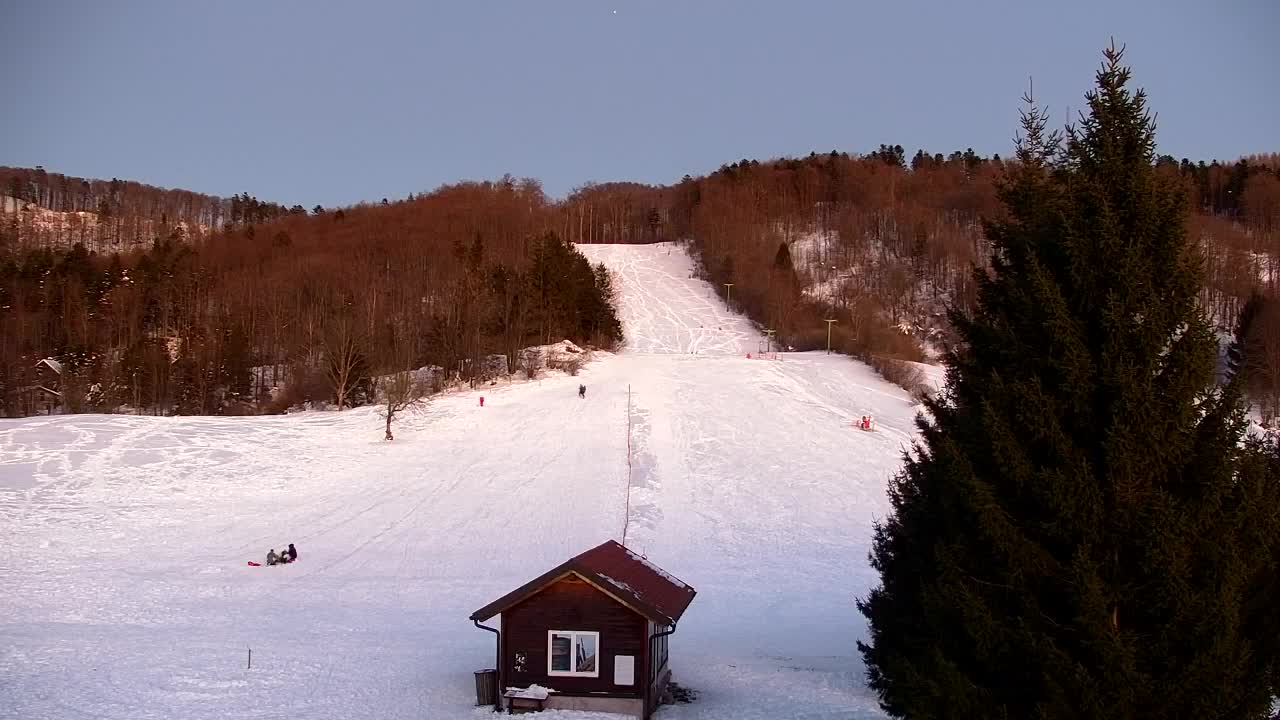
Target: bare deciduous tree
pixel 402 391
pixel 343 358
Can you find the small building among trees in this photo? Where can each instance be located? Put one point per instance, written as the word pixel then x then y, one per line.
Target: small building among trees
pixel 43 395
pixel 592 631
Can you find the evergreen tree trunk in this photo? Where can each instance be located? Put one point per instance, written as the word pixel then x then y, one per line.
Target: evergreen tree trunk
pixel 1084 531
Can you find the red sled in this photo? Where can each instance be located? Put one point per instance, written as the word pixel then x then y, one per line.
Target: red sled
pixel 254 564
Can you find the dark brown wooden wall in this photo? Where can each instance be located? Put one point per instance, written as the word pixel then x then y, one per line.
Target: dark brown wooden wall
pixel 572 604
pixel 656 670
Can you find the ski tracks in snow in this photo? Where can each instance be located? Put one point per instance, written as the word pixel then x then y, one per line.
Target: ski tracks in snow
pixel 664 310
pixel 644 504
pixel 123 539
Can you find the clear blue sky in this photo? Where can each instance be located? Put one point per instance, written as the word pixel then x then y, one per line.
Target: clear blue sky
pixel 324 102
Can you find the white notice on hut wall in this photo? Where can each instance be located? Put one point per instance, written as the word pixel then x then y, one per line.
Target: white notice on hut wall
pixel 624 670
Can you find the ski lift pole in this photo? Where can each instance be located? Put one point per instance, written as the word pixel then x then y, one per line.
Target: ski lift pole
pixel 829 322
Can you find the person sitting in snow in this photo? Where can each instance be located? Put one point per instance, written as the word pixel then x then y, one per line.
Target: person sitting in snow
pixel 272 558
pixel 291 553
pixel 582 391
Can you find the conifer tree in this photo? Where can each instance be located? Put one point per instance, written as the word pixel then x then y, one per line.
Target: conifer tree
pixel 1243 348
pixel 1083 530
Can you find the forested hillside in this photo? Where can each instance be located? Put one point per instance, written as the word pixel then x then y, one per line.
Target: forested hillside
pixel 882 243
pixel 180 302
pixel 314 304
pixel 44 209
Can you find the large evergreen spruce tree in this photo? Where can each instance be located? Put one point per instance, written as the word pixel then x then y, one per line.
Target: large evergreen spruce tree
pixel 1084 530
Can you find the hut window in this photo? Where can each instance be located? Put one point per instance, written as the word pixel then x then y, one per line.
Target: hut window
pixel 573 653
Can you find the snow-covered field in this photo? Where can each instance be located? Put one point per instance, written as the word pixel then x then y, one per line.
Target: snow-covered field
pixel 124 591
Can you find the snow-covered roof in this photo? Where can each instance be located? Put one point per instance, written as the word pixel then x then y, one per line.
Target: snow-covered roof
pixel 41 388
pixel 662 573
pixel 618 584
pixel 636 582
pixel 52 364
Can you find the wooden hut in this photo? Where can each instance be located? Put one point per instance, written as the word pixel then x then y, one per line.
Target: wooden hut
pixel 44 394
pixel 593 631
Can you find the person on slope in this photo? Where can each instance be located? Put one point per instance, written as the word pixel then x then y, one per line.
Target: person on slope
pixel 582 391
pixel 272 558
pixel 291 553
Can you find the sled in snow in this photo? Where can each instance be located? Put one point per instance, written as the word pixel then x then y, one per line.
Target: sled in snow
pixel 867 423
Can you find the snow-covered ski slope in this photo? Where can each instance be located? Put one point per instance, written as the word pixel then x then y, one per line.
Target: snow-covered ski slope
pixel 124 591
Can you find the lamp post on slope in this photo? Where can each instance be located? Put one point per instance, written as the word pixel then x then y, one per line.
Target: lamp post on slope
pixel 728 294
pixel 828 322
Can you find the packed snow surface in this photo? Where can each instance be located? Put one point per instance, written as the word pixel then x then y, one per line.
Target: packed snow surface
pixel 124 540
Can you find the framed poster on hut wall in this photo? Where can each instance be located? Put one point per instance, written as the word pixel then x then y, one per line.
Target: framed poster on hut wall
pixel 624 670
